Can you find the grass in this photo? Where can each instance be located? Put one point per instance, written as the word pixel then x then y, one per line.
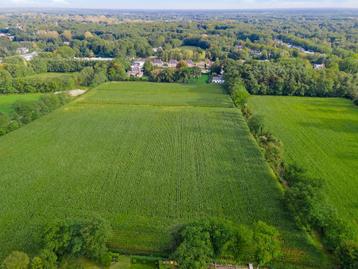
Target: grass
pixel 320 134
pixel 6 101
pixel 148 158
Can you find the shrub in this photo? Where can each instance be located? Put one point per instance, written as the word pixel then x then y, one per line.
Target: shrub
pixel 16 260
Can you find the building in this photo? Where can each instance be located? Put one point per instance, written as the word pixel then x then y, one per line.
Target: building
pixel 219 79
pixel 318 66
pixel 155 50
pixel 190 63
pixel 139 63
pixel 135 72
pixel 22 50
pixel 158 62
pixel 29 56
pixel 173 63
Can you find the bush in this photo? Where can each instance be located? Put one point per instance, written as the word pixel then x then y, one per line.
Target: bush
pixel 16 260
pixel 239 94
pixel 348 254
pixel 37 263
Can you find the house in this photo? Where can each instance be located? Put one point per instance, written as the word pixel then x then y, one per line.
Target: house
pixel 219 79
pixel 158 62
pixel 139 63
pixel 22 50
pixel 173 63
pixel 155 50
pixel 256 53
pixel 190 63
pixel 318 66
pixel 204 66
pixel 135 72
pixel 29 56
pixel 66 43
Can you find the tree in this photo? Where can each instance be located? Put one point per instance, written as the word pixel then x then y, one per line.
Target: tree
pixel 86 76
pixel 348 255
pixel 239 94
pixel 5 82
pixel 116 72
pixel 65 52
pixel 37 263
pixel 148 68
pixel 268 243
pixel 76 238
pixel 67 35
pixel 256 125
pixel 242 245
pixel 16 260
pixel 195 250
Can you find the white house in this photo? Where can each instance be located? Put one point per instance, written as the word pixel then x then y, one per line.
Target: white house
pixel 22 50
pixel 318 66
pixel 219 79
pixel 29 56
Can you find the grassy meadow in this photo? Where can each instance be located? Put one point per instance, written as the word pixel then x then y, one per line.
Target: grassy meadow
pixel 6 101
pixel 147 157
pixel 320 134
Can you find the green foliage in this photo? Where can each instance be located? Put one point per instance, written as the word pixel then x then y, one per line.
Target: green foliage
pixel 16 260
pixel 183 74
pixel 36 263
pixel 76 238
pixel 24 111
pixel 148 68
pixel 5 82
pixel 65 52
pixel 289 77
pixel 203 242
pixel 267 243
pixel 116 72
pixel 256 125
pixel 348 255
pixel 239 94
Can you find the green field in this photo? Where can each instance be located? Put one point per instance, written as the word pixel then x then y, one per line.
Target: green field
pixel 6 101
pixel 320 134
pixel 147 157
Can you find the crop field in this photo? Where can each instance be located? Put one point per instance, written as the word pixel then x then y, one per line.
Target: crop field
pixel 146 157
pixel 6 101
pixel 320 134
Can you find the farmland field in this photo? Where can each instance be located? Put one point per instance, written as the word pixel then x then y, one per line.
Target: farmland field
pixel 6 101
pixel 147 157
pixel 320 134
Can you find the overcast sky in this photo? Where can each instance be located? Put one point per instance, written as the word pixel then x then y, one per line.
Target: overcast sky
pixel 181 4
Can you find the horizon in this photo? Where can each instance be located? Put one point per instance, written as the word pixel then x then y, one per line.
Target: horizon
pixel 181 5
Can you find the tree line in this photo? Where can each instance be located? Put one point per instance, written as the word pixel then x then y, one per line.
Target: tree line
pixel 25 112
pixel 292 77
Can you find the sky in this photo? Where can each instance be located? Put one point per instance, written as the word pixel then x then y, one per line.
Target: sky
pixel 181 4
